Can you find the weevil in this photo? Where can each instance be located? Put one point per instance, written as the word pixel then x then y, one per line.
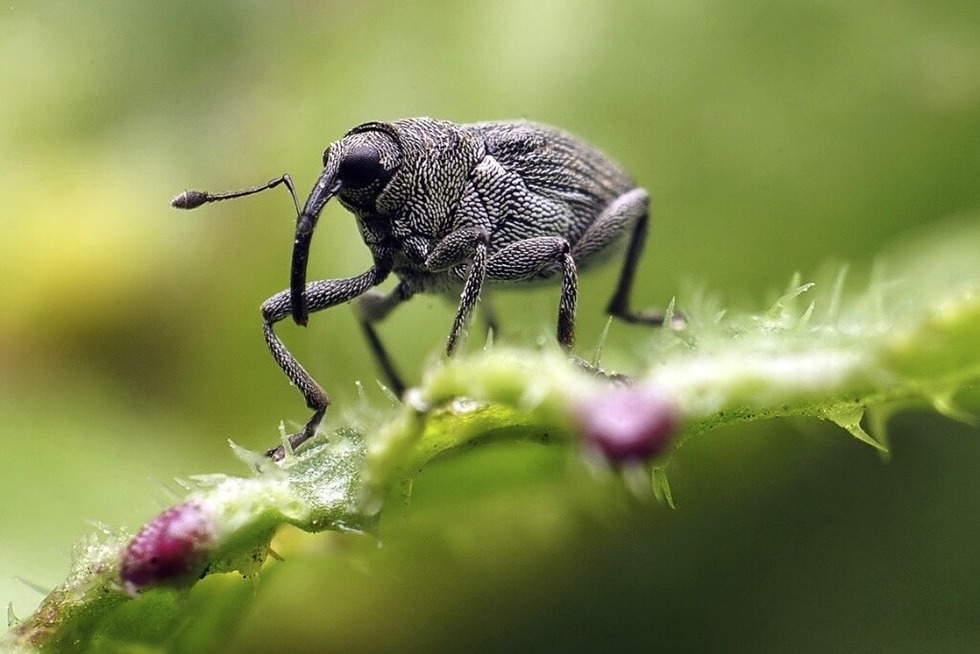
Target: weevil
pixel 451 209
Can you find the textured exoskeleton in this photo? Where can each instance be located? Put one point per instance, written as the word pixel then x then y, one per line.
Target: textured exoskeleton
pixel 450 209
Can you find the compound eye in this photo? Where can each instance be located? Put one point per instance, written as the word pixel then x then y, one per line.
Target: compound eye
pixel 360 167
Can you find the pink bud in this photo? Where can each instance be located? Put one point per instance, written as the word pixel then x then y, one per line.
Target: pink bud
pixel 170 549
pixel 627 423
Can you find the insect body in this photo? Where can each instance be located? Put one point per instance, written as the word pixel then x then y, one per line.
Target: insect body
pixel 452 209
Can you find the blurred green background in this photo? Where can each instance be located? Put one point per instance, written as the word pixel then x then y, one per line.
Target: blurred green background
pixel 773 136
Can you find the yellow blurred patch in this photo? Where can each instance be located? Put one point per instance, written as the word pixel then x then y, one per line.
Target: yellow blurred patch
pixel 79 252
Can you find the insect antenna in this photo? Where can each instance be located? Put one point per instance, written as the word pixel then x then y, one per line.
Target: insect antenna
pixel 194 199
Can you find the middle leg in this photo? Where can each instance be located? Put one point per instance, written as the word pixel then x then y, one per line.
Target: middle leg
pixel 525 259
pixel 374 307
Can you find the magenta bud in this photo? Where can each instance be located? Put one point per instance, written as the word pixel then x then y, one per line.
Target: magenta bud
pixel 627 423
pixel 170 549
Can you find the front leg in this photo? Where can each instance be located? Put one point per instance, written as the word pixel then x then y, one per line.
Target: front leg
pixel 320 295
pixel 454 249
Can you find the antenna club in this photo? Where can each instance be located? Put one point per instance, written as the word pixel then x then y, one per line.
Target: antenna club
pixel 190 200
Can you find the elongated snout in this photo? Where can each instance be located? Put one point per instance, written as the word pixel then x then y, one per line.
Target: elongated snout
pixel 326 187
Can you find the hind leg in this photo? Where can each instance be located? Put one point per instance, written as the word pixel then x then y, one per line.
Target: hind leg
pixel 629 213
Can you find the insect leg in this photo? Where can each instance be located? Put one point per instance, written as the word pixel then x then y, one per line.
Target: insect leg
pixel 489 315
pixel 629 212
pixel 321 295
pixel 374 307
pixel 451 253
pixel 524 259
pixel 469 297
